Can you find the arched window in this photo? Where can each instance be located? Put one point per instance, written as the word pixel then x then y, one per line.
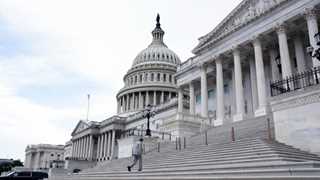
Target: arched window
pixel 164 77
pixel 158 77
pixel 152 77
pixel 170 78
pixel 140 79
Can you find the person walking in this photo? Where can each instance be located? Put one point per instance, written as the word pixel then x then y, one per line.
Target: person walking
pixel 137 155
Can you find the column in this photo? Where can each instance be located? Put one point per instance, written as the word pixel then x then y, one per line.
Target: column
pixel 299 51
pixel 140 100
pixel 134 101
pixel 122 104
pixel 98 146
pixel 180 100
pixel 101 146
pixel 112 143
pixel 220 92
pixel 105 153
pixel 127 102
pixel 238 86
pixel 274 67
pixel 261 81
pixel 109 144
pixel 312 23
pixel 154 98
pixel 73 148
pixel 162 97
pixel 85 146
pixel 284 52
pixel 118 107
pixel 170 95
pixel 192 98
pixel 253 79
pixel 147 98
pixel 80 148
pixel 77 148
pixel 204 91
pixel 90 147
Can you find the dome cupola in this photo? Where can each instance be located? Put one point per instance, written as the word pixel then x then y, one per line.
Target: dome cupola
pixel 157 51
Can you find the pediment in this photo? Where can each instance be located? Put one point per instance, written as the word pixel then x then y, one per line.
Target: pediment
pixel 244 13
pixel 80 126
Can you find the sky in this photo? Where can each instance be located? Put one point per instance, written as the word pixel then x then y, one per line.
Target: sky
pixel 54 53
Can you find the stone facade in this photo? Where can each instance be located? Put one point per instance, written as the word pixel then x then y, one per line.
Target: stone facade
pixel 44 156
pixel 258 43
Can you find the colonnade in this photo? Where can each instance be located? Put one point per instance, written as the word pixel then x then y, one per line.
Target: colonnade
pixel 83 147
pixel 149 77
pixel 105 146
pixel 257 71
pixel 138 100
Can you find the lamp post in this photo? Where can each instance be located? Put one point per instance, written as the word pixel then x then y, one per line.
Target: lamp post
pixel 278 62
pixel 148 113
pixel 312 51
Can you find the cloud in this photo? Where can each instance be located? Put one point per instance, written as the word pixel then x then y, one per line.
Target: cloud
pixel 53 53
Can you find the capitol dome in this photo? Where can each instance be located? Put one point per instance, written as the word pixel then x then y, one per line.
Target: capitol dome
pixel 157 51
pixel 151 79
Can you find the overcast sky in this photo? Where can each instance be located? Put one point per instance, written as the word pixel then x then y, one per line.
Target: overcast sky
pixel 54 53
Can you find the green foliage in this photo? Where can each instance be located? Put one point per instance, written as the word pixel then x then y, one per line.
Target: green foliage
pixel 9 165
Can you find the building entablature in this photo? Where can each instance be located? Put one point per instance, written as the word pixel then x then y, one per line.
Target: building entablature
pixel 249 32
pixel 153 67
pixel 86 132
pixel 245 13
pixel 147 87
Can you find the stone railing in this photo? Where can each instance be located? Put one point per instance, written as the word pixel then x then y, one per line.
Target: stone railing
pixel 186 64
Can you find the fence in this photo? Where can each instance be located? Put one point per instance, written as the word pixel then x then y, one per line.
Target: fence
pixel 295 82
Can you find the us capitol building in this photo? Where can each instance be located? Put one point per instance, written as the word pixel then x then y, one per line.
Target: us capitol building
pixel 256 74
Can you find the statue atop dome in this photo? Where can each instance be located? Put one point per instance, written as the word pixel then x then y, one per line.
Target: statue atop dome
pixel 158 20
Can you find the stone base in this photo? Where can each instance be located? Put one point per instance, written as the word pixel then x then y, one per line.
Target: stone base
pixel 238 117
pixel 261 111
pixel 218 122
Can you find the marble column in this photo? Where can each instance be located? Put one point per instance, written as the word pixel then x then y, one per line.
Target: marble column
pixel 220 92
pixel 101 146
pixel 105 153
pixel 80 148
pixel 140 100
pixel 127 102
pixel 312 23
pixel 109 144
pixel 98 146
pixel 274 67
pixel 192 99
pixel 253 80
pixel 284 52
pixel 180 100
pixel 299 51
pixel 112 143
pixel 238 86
pixel 204 91
pixel 77 148
pixel 90 147
pixel 118 105
pixel 147 98
pixel 261 81
pixel 85 147
pixel 162 97
pixel 154 98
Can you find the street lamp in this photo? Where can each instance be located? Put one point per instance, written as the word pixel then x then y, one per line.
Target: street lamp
pixel 278 62
pixel 312 51
pixel 148 112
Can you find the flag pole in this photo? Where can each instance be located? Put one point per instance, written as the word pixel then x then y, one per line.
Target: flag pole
pixel 88 107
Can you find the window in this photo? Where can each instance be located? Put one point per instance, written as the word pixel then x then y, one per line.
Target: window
pixel 158 77
pixel 152 77
pixel 226 89
pixel 198 99
pixel 170 78
pixel 164 77
pixel 210 93
pixel 52 155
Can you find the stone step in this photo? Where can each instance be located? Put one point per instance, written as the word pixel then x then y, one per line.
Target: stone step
pixel 218 174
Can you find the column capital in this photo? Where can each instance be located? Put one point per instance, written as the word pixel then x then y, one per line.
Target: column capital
pixel 256 40
pixel 280 28
pixel 310 13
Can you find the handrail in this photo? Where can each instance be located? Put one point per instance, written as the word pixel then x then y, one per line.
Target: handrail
pixel 295 82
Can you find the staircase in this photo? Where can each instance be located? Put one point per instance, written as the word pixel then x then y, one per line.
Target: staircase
pixel 250 156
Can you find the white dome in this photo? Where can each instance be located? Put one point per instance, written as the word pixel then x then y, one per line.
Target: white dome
pixel 157 51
